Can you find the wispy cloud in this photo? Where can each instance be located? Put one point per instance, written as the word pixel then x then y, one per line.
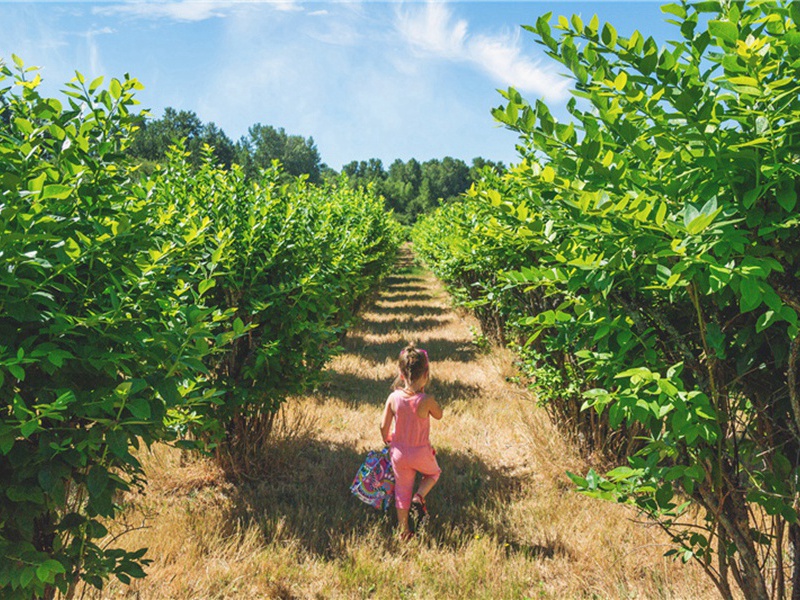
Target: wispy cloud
pixel 432 30
pixel 95 59
pixel 191 10
pixel 185 10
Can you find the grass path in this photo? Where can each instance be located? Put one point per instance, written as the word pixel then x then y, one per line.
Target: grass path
pixel 505 521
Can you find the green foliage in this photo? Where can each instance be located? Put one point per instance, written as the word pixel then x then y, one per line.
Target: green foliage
pixel 300 264
pixel 264 144
pixel 93 331
pixel 135 309
pixel 652 243
pixel 411 188
pixel 153 138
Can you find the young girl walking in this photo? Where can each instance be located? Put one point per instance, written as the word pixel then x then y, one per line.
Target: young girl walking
pixel 410 448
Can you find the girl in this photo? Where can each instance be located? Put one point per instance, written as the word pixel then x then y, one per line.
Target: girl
pixel 410 448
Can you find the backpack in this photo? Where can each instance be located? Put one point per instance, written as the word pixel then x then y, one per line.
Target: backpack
pixel 374 481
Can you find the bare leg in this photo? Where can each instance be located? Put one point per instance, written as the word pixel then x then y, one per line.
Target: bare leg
pixel 402 522
pixel 425 485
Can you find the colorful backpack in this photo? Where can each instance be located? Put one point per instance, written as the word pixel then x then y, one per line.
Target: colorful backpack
pixel 374 482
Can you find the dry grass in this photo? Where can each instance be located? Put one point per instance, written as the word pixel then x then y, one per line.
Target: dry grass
pixel 506 523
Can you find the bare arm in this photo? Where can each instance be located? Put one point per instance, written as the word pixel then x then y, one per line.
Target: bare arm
pixel 386 421
pixel 429 406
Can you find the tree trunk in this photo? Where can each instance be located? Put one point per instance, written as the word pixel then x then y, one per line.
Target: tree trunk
pixel 732 518
pixel 794 541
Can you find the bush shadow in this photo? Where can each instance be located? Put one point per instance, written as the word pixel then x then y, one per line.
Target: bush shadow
pixel 402 324
pixel 303 497
pixel 404 281
pixel 438 349
pixel 406 286
pixel 447 392
pixel 354 390
pixel 417 310
pixel 390 296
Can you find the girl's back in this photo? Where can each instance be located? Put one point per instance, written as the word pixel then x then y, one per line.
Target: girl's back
pixel 410 431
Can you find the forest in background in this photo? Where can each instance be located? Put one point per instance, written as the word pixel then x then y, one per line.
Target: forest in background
pixel 409 188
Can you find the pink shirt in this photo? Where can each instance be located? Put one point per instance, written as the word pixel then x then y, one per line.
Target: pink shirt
pixel 410 431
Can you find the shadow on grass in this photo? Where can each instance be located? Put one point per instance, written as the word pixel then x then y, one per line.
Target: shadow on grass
pixel 407 286
pixel 304 498
pixel 447 392
pixel 417 310
pixel 438 349
pixel 405 280
pixel 391 296
pixel 357 391
pixel 354 390
pixel 403 323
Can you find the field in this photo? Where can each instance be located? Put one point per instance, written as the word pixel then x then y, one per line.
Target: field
pixel 505 520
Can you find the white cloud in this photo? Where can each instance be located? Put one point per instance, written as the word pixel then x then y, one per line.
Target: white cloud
pixel 191 10
pixel 185 10
pixel 286 5
pixel 431 30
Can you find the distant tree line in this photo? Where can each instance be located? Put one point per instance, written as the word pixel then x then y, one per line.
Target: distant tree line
pixel 412 188
pixel 409 188
pixel 254 151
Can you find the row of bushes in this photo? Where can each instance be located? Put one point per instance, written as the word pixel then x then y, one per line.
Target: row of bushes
pixel 645 258
pixel 185 305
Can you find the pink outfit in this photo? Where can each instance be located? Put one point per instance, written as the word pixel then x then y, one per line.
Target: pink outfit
pixel 410 447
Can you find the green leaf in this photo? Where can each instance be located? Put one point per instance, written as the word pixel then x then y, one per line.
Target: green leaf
pixel 794 11
pixel 621 473
pixel 751 196
pixel 117 442
pixel 609 35
pixel 751 294
pixel 674 9
pixel 695 472
pixel 578 480
pixel 28 428
pixel 786 196
pixel 96 83
pixel 724 30
pixel 661 214
pixel 765 320
pixel 47 571
pixel 664 495
pixel 140 408
pixel 24 125
pixel 17 371
pixel 97 480
pixel 206 285
pixel 72 248
pixel 56 191
pixel 620 80
pixel 115 89
pixel 26 576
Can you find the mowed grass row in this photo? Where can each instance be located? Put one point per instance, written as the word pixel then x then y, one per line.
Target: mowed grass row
pixel 505 521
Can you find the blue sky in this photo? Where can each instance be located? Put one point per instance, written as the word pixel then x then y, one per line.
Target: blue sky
pixel 365 79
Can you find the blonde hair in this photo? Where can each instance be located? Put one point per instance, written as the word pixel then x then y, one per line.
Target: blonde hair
pixel 413 363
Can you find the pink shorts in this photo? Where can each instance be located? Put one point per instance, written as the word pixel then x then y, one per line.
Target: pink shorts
pixel 406 463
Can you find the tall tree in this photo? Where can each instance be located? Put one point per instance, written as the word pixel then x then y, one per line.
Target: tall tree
pixel 264 143
pixel 155 137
